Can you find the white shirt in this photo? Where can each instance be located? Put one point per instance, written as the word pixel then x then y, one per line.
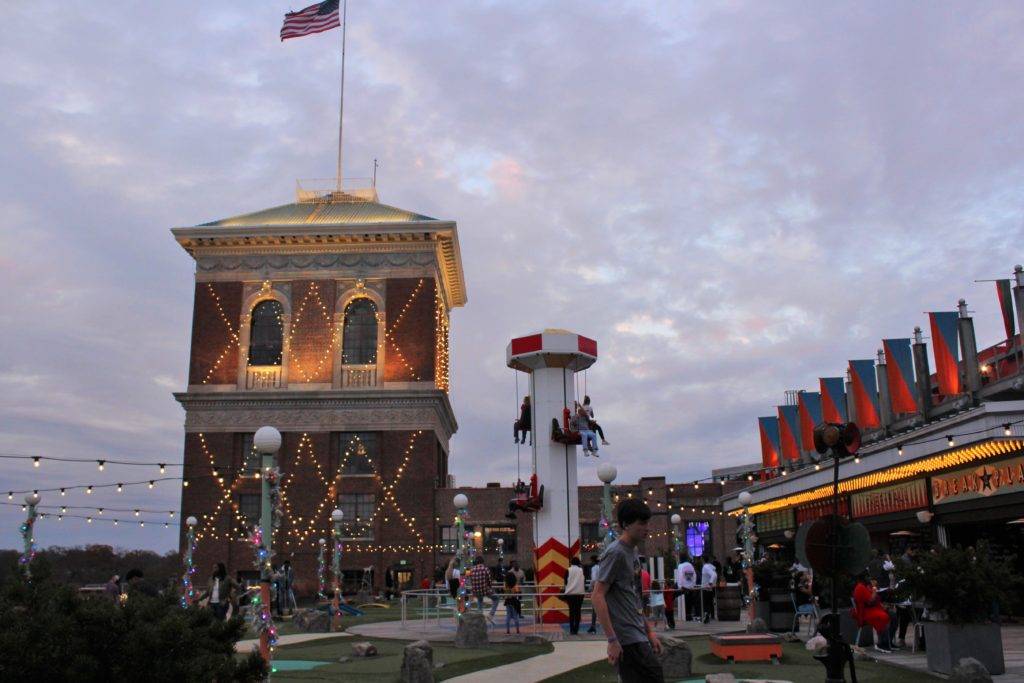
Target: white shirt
pixel 686 575
pixel 574 580
pixel 708 575
pixel 215 593
pixel 456 574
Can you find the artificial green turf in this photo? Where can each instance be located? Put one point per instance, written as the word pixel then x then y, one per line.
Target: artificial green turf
pixel 387 665
pixel 371 616
pixel 797 665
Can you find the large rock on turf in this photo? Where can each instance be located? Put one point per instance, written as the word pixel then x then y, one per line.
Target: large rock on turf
pixel 472 631
pixel 676 658
pixel 970 670
pixel 312 621
pixel 364 649
pixel 757 626
pixel 418 663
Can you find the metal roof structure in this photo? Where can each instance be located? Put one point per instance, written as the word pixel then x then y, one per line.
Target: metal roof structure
pixel 339 209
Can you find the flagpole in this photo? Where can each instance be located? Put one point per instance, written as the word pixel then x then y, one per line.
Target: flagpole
pixel 341 103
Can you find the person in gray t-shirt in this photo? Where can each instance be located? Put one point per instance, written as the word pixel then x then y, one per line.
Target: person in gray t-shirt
pixel 632 643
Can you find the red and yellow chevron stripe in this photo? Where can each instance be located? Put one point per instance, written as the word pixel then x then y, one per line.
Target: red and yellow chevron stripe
pixel 552 563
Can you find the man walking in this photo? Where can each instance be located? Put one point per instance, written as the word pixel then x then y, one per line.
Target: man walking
pixel 632 643
pixel 574 594
pixel 481 587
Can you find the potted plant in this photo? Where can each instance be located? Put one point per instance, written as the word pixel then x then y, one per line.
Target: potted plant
pixel 962 589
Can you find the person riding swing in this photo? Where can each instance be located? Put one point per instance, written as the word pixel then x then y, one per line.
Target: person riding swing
pixel 524 503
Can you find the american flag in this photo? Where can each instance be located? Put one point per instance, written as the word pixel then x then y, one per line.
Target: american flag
pixel 317 18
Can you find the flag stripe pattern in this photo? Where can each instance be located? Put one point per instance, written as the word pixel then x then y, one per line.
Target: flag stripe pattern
pixel 769 428
pixel 865 393
pixel 788 432
pixel 809 404
pixel 899 373
pixel 1004 290
pixel 317 18
pixel 945 336
pixel 833 399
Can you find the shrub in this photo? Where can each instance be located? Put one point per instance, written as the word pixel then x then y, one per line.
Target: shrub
pixel 49 632
pixel 964 584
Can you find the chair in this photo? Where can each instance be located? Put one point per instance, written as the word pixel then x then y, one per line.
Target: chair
pixel 809 610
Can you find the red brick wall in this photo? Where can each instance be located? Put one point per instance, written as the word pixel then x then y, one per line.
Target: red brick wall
pixel 305 498
pixel 410 345
pixel 215 344
pixel 313 341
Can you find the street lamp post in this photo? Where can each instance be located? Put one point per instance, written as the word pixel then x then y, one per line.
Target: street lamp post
pixel 748 551
pixel 320 569
pixel 266 442
pixel 28 535
pixel 337 516
pixel 607 474
pixel 188 591
pixel 461 503
pixel 676 521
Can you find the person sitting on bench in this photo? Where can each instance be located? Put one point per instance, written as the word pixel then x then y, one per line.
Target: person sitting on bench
pixel 522 425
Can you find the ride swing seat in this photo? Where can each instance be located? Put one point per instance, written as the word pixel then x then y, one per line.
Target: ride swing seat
pixel 526 501
pixel 562 433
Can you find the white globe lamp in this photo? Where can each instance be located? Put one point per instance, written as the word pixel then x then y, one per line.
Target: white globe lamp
pixel 322 542
pixel 337 515
pixel 745 498
pixel 925 516
pixel 267 440
pixel 607 473
pixel 460 501
pixel 676 519
pixel 32 498
pixel 191 521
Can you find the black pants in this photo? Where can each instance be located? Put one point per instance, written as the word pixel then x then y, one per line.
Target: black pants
pixel 670 619
pixel 453 587
pixel 220 610
pixel 898 626
pixel 597 428
pixel 708 597
pixel 519 428
pixel 639 665
pixel 575 611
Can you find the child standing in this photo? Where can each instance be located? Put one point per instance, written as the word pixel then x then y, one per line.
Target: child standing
pixel 657 603
pixel 670 605
pixel 513 606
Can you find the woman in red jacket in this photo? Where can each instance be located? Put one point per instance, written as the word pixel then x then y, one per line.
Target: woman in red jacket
pixel 868 609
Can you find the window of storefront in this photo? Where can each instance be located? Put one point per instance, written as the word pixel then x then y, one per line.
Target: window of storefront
pixel 506 533
pixel 249 507
pixel 698 537
pixel 590 532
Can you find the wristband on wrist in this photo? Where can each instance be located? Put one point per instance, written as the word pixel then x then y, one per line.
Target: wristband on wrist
pixel 613 639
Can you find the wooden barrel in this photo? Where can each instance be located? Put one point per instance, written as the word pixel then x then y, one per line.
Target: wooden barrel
pixel 781 610
pixel 730 602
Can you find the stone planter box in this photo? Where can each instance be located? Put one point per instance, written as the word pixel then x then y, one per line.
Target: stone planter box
pixel 949 643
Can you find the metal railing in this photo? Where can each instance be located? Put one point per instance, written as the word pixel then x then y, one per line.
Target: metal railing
pixel 358 376
pixel 259 377
pixel 437 604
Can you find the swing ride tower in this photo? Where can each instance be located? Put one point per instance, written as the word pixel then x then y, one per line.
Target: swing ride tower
pixel 551 359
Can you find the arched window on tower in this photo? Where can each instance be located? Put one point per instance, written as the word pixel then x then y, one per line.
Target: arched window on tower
pixel 266 337
pixel 359 335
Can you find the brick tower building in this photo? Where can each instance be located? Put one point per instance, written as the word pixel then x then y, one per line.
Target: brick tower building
pixel 328 319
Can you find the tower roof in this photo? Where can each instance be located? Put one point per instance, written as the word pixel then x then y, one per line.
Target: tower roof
pixel 332 220
pixel 337 208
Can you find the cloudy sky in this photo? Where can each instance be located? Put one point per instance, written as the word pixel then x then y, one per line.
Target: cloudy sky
pixel 733 198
